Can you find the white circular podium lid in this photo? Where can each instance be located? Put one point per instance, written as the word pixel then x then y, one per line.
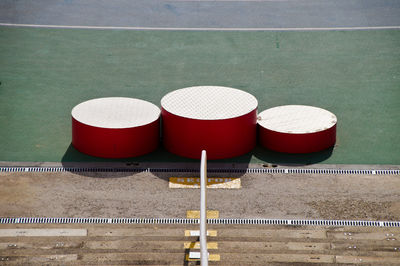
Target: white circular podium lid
pixel 209 102
pixel 297 119
pixel 116 112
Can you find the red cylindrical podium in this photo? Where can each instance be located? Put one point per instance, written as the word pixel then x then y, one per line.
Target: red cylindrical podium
pixel 297 129
pixel 115 127
pixel 221 120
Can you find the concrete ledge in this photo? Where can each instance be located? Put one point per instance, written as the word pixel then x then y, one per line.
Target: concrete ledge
pixel 42 232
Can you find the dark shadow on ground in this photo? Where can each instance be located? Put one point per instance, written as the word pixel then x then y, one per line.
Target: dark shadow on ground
pixel 288 159
pixel 74 158
pixel 161 158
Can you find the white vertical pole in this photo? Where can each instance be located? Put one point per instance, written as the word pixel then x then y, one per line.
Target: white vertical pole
pixel 203 210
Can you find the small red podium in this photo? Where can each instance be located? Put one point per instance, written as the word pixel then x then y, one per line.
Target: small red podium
pixel 297 129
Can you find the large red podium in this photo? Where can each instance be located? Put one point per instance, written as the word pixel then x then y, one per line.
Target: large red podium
pixel 221 120
pixel 115 127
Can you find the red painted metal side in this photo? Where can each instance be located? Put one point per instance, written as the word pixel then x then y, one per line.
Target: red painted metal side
pixel 297 143
pixel 221 139
pixel 115 143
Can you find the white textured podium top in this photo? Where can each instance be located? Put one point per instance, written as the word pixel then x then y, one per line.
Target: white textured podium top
pixel 297 119
pixel 116 112
pixel 209 102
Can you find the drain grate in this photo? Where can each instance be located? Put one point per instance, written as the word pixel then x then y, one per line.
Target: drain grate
pixel 190 170
pixel 44 220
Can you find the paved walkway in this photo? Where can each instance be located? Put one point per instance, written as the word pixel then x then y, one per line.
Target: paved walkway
pixel 147 195
pixel 83 244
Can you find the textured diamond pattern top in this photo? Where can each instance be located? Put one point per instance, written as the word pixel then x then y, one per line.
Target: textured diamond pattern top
pixel 116 112
pixel 209 102
pixel 297 119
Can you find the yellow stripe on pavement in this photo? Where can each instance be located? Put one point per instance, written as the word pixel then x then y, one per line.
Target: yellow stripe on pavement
pixel 212 182
pixel 196 245
pixel 195 214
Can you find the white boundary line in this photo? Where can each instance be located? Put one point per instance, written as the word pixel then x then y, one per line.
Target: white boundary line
pixel 238 1
pixel 197 29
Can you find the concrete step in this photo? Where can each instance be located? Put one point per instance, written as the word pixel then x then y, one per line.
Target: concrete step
pixel 127 246
pixel 82 244
pixel 151 258
pixel 133 243
pixel 226 232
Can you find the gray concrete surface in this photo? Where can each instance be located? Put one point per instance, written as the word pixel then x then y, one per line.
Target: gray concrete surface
pixel 146 195
pixel 199 13
pixel 122 244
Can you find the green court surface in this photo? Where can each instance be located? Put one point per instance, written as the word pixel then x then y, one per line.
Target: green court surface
pixel 44 73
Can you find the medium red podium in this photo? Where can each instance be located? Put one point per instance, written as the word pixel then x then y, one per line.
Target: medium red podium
pixel 115 127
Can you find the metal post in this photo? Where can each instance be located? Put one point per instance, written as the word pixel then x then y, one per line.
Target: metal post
pixel 203 210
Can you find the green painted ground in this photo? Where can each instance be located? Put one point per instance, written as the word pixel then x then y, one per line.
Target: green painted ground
pixel 354 74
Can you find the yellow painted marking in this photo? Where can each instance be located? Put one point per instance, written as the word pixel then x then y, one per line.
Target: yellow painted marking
pixel 212 182
pixel 191 214
pixel 196 245
pixel 209 232
pixel 211 257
